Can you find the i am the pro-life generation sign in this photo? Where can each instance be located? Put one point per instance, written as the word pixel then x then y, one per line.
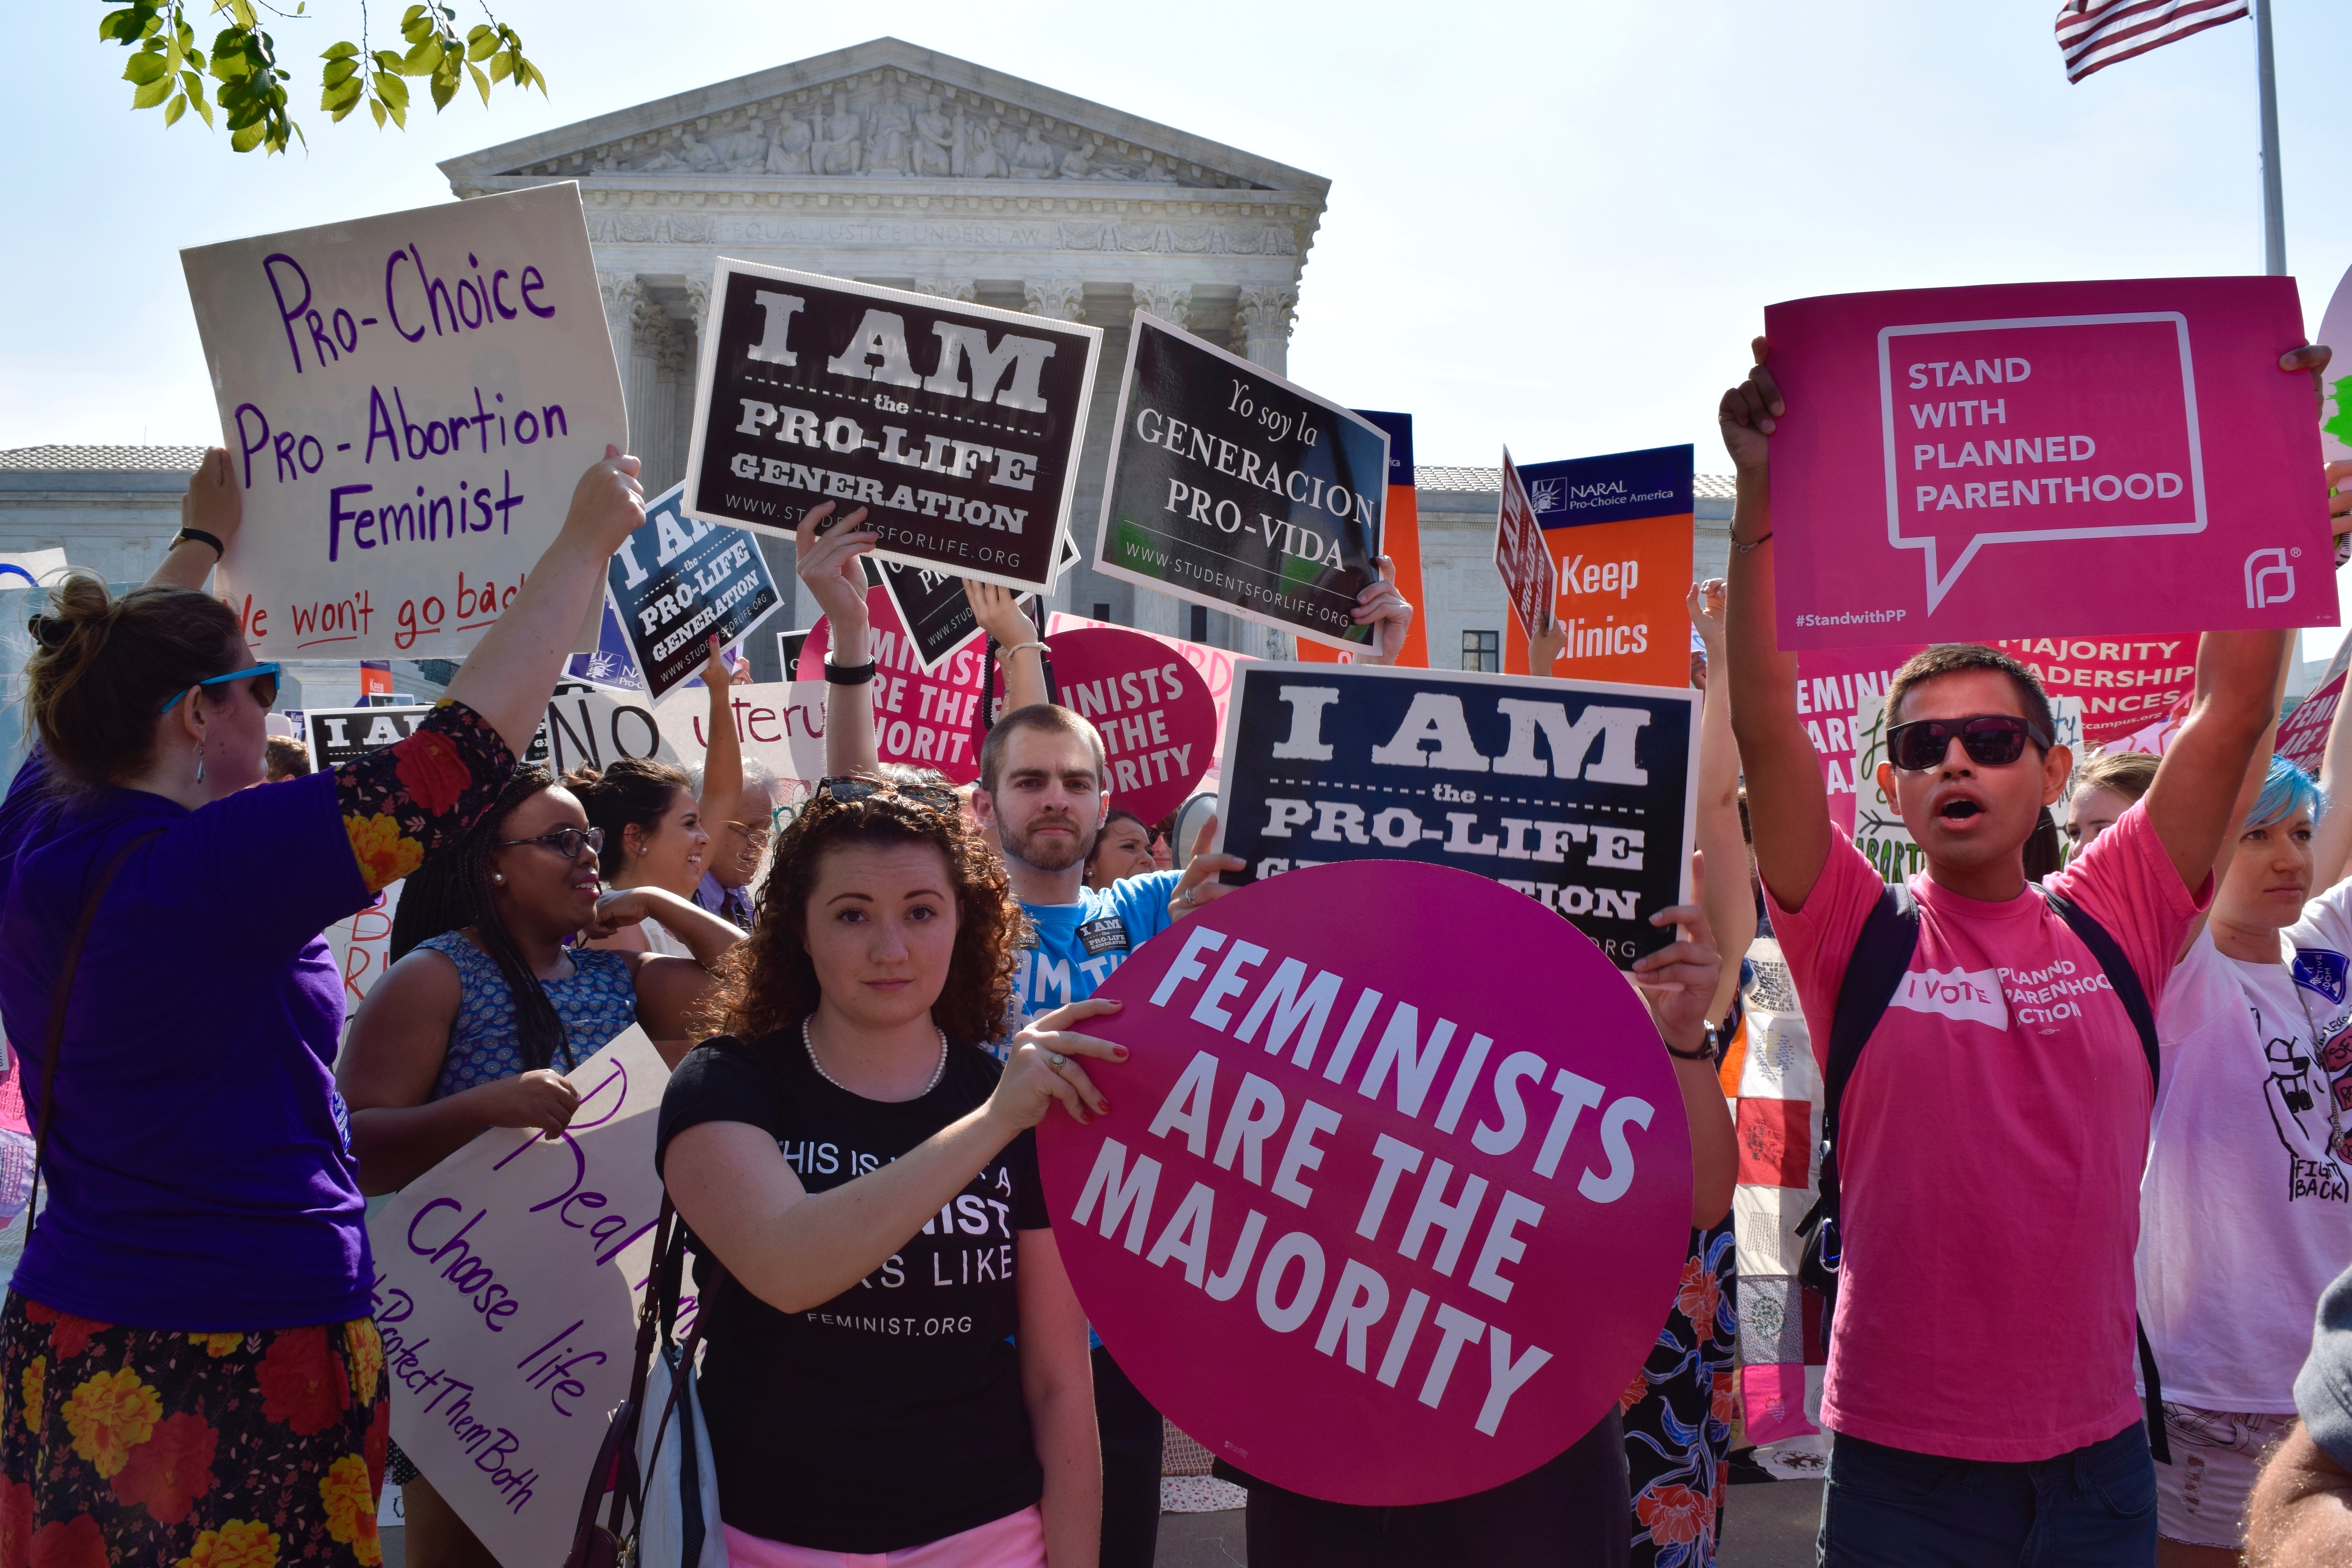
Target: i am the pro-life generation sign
pixel 410 401
pixel 1367 1224
pixel 677 581
pixel 2103 459
pixel 1234 489
pixel 1577 794
pixel 958 426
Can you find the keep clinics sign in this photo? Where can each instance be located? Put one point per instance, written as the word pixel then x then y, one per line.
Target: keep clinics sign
pixel 958 426
pixel 1578 794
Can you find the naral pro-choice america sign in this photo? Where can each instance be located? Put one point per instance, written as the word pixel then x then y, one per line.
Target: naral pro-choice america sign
pixel 957 426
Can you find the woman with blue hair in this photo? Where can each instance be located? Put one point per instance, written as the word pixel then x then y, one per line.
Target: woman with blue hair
pixel 2246 1205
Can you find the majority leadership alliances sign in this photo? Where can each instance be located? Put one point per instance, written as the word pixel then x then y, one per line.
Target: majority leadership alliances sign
pixel 957 426
pixel 2106 458
pixel 410 401
pixel 1617 529
pixel 1577 794
pixel 1234 489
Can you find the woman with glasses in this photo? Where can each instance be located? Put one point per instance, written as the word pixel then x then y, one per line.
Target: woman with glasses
pixel 188 1367
pixel 896 1362
pixel 486 1011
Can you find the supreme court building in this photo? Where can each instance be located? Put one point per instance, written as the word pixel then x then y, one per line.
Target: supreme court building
pixel 895 165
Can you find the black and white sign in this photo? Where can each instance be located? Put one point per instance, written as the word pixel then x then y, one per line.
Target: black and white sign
pixel 677 581
pixel 1234 489
pixel 933 609
pixel 1577 794
pixel 958 426
pixel 586 726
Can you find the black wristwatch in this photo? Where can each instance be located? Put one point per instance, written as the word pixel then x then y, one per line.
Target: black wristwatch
pixel 201 536
pixel 849 674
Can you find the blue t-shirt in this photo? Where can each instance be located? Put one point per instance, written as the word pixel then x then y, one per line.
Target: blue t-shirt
pixel 1078 945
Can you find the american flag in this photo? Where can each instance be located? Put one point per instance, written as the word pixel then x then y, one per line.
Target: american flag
pixel 2095 34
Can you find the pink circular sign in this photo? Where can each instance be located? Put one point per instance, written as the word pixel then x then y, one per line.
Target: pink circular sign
pixel 1158 721
pixel 926 720
pixel 1396 1187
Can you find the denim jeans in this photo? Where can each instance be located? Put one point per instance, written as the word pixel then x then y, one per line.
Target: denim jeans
pixel 1890 1507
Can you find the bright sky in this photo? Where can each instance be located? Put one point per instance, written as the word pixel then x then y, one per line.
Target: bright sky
pixel 1553 225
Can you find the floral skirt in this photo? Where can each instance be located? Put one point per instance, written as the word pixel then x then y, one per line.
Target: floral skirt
pixel 1678 1413
pixel 188 1450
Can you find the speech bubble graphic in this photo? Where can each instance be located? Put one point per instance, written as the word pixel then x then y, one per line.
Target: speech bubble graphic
pixel 2077 427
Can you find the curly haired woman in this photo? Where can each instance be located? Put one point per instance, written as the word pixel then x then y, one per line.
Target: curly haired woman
pixel 188 1370
pixel 897 1362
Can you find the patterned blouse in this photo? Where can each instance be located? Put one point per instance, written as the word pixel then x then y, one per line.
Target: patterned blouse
pixel 595 1004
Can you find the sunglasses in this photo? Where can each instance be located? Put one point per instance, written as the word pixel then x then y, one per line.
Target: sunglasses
pixel 1990 739
pixel 257 673
pixel 565 841
pixel 856 787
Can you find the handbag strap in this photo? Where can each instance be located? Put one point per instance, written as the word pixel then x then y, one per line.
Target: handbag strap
pixel 58 1000
pixel 628 1487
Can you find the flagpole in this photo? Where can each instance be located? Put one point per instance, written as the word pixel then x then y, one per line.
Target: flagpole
pixel 2274 200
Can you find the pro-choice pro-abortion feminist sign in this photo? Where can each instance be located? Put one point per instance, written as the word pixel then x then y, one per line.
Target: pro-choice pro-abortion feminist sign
pixel 1576 793
pixel 1974 464
pixel 410 401
pixel 1237 489
pixel 958 426
pixel 1369 1226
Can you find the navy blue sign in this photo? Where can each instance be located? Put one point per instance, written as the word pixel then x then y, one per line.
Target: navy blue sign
pixel 678 582
pixel 1399 427
pixel 1577 794
pixel 1613 488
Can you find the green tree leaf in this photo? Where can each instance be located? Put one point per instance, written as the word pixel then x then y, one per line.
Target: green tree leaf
pixel 143 68
pixel 151 94
pixel 176 108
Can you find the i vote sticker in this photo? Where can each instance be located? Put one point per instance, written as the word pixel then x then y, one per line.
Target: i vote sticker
pixel 1396 1190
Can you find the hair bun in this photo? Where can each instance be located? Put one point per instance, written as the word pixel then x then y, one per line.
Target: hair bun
pixel 50 631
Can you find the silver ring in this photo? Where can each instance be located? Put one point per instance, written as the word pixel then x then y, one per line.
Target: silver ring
pixel 1055 1059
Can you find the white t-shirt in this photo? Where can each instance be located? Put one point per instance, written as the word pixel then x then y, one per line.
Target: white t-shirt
pixel 2246 1206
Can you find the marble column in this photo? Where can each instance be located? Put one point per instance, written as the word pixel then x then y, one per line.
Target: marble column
pixel 1171 302
pixel 960 289
pixel 651 405
pixel 1261 320
pixel 1057 298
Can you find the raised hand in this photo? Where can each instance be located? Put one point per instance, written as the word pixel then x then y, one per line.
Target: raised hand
pixel 1749 413
pixel 829 563
pixel 1383 606
pixel 607 504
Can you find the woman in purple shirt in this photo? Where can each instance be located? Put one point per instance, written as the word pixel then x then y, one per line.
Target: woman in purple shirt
pixel 188 1371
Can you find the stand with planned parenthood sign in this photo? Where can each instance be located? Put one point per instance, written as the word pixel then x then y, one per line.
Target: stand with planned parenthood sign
pixel 1962 464
pixel 507 1283
pixel 1367 1224
pixel 677 581
pixel 409 401
pixel 1578 794
pixel 958 426
pixel 1234 489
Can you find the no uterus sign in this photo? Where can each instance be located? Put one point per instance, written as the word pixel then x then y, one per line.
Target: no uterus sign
pixel 1984 463
pixel 1367 1223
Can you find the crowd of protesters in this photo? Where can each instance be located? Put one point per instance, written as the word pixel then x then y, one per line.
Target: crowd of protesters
pixel 2075 1227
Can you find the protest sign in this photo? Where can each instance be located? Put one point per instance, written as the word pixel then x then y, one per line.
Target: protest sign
pixel 925 719
pixel 1830 683
pixel 409 401
pixel 780 723
pixel 1400 541
pixel 2124 683
pixel 338 735
pixel 1423 1275
pixel 1232 488
pixel 1214 665
pixel 612 662
pixel 2335 409
pixel 507 1280
pixel 1530 576
pixel 2120 458
pixel 808 390
pixel 1153 709
pixel 677 581
pixel 931 606
pixel 1618 529
pixel 2303 733
pixel 361 945
pixel 1577 794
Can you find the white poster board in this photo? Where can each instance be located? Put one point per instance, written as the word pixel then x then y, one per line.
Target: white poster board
pixel 507 1284
pixel 778 723
pixel 409 401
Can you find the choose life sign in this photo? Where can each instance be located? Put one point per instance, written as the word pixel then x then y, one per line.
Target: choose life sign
pixel 1367 1224
pixel 410 401
pixel 1975 464
pixel 1578 794
pixel 1234 489
pixel 957 426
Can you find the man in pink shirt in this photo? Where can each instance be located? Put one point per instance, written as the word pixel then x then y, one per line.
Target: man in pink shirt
pixel 1992 1134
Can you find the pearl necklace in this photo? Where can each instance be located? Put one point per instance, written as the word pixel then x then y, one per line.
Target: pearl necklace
pixel 810 1046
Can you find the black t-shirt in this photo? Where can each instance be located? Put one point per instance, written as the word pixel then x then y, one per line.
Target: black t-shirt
pixel 892 1414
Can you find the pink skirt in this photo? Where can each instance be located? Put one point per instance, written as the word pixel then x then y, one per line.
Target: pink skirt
pixel 1017 1540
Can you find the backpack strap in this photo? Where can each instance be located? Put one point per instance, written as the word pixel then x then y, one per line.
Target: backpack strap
pixel 2134 996
pixel 1881 956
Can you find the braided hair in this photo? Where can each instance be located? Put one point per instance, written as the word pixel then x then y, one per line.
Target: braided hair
pixel 453 891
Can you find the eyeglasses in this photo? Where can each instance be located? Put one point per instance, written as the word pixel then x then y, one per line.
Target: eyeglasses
pixel 856 787
pixel 257 673
pixel 757 837
pixel 565 841
pixel 1990 739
